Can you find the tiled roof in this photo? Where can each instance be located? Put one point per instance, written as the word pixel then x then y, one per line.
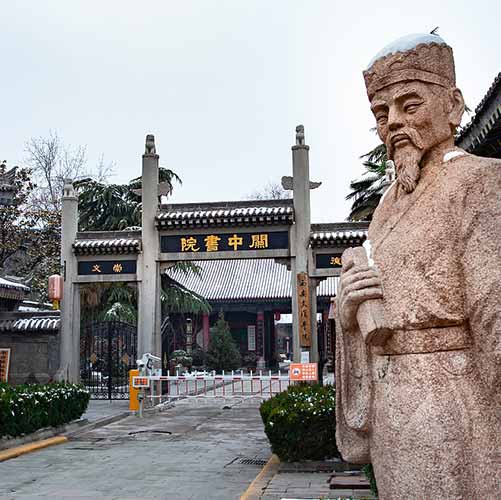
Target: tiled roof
pixel 105 246
pixel 32 324
pixel 226 214
pixel 13 285
pixel 244 280
pixel 486 121
pixel 339 234
pixel 7 179
pixel 13 290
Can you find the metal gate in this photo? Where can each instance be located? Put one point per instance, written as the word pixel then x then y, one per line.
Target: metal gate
pixel 108 350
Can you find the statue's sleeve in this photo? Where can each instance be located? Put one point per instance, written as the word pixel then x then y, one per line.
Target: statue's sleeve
pixel 353 396
pixel 481 262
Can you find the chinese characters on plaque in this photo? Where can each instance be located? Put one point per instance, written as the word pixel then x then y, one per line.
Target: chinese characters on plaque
pixel 224 242
pixel 251 337
pixel 328 261
pixel 107 267
pixel 4 364
pixel 304 310
pixel 303 371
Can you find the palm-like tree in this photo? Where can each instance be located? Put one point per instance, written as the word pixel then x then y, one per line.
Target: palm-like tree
pixel 114 207
pixel 367 191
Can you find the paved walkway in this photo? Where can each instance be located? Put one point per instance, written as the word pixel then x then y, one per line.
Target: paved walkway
pixel 204 457
pixel 99 409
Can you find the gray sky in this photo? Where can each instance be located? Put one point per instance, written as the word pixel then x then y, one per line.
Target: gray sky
pixel 221 84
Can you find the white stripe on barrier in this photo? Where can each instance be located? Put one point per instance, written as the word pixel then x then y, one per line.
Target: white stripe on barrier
pixel 217 386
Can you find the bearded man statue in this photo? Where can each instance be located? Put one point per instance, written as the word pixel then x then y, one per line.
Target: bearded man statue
pixel 420 399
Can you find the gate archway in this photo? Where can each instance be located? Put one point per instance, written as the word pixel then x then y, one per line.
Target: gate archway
pixel 108 350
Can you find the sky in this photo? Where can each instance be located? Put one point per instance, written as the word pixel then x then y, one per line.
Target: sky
pixel 221 84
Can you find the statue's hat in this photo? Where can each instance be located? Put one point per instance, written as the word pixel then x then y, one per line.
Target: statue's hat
pixel 422 56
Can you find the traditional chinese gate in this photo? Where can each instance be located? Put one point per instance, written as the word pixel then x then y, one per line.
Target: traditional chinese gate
pixel 270 229
pixel 108 350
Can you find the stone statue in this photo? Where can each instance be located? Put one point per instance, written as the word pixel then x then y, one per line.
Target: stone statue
pixel 150 148
pixel 418 353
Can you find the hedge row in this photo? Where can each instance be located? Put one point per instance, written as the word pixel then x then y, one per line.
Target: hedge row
pixel 301 422
pixel 27 408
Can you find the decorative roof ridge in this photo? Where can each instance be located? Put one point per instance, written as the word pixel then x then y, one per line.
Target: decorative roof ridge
pixel 224 205
pixel 108 235
pixel 15 315
pixel 339 226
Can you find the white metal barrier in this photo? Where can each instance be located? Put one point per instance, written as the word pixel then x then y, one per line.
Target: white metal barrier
pixel 163 388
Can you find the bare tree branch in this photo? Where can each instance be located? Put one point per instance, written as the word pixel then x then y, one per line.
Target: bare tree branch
pixel 271 191
pixel 52 162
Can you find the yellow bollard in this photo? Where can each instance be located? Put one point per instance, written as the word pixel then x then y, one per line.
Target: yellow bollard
pixel 133 392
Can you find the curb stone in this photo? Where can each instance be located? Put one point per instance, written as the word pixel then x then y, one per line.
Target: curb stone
pixel 256 488
pixel 28 448
pixel 42 434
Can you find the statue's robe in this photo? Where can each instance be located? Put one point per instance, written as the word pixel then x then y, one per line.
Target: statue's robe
pixel 426 404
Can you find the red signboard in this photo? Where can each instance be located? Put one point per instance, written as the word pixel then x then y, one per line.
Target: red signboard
pixel 303 371
pixel 140 382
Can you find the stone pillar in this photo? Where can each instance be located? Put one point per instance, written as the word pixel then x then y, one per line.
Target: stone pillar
pixel 149 312
pixel 314 328
pixel 300 233
pixel 69 366
pixel 206 330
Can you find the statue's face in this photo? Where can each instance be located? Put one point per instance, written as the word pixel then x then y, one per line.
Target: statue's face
pixel 416 107
pixel 412 117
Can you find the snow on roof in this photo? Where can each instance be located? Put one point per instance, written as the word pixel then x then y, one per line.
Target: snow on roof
pixel 405 43
pixel 5 283
pixel 245 280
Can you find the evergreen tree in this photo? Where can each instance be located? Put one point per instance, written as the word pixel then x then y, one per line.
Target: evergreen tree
pixel 223 353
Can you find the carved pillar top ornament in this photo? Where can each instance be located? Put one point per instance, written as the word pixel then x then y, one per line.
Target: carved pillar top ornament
pixel 68 189
pixel 150 148
pixel 300 135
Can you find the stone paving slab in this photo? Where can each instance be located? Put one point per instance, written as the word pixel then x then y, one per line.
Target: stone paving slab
pixel 199 460
pixel 306 485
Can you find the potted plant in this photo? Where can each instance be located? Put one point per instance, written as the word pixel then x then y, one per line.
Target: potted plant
pixel 180 361
pixel 250 360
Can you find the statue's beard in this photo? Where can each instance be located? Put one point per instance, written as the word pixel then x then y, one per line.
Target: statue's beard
pixel 407 158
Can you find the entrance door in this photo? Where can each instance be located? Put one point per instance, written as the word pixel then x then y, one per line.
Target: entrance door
pixel 108 350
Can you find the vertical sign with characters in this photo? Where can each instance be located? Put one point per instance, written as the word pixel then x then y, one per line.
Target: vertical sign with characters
pixel 251 337
pixel 4 364
pixel 304 310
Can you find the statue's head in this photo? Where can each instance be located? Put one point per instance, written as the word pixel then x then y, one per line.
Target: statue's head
pixel 411 85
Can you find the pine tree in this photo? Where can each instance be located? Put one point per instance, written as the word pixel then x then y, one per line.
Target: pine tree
pixel 223 353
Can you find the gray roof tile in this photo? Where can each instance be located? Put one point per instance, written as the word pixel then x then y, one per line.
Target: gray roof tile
pixel 33 324
pixel 103 246
pixel 244 280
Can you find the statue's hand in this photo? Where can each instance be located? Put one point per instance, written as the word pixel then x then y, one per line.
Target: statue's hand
pixel 357 284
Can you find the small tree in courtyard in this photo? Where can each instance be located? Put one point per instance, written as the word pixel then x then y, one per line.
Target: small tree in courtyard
pixel 222 354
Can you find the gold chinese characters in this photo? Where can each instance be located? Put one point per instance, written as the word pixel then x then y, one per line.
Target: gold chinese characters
pixel 335 261
pixel 224 242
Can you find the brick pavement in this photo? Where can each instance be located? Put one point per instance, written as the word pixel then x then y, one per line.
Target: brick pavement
pixel 199 460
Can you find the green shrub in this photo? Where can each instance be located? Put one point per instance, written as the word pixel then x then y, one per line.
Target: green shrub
pixel 198 356
pixel 222 354
pixel 27 408
pixel 369 474
pixel 301 422
pixel 181 357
